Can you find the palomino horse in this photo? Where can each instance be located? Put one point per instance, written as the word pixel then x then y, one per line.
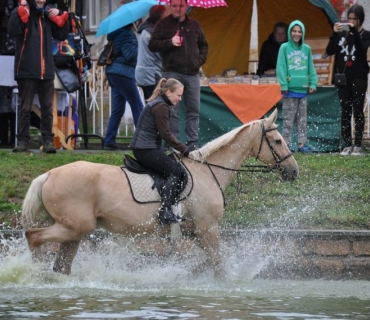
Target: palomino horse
pixel 82 196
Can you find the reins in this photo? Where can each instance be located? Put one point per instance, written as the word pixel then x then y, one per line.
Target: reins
pixel 262 168
pixel 277 158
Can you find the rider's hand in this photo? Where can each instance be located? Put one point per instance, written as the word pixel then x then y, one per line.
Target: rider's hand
pixel 188 150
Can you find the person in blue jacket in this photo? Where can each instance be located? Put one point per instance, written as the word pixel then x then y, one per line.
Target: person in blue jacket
pixel 121 78
pixel 296 74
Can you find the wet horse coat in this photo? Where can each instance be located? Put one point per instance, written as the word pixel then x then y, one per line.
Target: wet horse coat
pixel 82 196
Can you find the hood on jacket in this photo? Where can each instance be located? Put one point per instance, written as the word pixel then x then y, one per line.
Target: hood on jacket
pixel 294 23
pixel 117 32
pixel 144 25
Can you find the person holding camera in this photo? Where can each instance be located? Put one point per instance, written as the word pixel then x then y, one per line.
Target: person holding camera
pixel 351 71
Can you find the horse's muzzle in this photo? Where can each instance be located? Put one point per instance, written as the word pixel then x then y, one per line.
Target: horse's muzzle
pixel 289 175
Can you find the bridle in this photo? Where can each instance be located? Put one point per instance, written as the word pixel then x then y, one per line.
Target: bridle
pixel 277 158
pixel 278 161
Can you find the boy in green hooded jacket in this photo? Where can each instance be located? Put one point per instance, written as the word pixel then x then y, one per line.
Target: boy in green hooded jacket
pixel 296 74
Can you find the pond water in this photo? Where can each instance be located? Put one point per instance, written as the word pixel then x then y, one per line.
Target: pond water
pixel 114 281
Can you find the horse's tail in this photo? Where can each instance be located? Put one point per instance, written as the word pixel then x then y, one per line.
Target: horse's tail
pixel 32 201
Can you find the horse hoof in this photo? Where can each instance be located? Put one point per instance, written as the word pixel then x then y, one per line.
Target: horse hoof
pixel 65 271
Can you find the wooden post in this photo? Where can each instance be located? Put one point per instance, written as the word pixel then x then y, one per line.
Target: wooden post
pixel 73 6
pixel 57 132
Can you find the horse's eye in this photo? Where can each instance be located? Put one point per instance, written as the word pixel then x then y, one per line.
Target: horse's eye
pixel 278 141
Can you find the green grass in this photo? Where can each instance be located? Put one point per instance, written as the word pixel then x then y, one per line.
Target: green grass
pixel 332 192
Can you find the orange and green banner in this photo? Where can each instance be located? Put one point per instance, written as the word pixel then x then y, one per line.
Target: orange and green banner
pixel 217 118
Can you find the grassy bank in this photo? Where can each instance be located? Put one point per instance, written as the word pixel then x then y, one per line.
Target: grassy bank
pixel 332 192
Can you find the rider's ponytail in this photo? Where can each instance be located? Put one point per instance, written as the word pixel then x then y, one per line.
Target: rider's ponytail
pixel 164 85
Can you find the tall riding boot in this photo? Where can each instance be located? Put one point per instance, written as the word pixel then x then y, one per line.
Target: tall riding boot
pixel 166 216
pixel 169 194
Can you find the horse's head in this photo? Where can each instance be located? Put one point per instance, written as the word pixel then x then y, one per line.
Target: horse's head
pixel 273 150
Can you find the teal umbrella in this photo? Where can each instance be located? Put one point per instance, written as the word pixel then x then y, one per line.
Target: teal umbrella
pixel 125 15
pixel 328 8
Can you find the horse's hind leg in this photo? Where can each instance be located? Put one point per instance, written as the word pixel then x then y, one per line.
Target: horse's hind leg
pixel 55 233
pixel 67 252
pixel 69 241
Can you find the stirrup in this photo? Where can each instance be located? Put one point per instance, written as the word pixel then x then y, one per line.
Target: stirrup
pixel 166 216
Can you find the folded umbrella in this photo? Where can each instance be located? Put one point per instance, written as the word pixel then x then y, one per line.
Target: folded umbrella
pixel 125 15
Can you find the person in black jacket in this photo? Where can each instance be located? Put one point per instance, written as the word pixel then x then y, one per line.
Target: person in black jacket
pixel 270 48
pixel 34 67
pixel 350 49
pixel 153 127
pixel 184 48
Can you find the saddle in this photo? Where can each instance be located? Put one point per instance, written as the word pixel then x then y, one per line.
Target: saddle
pixel 136 167
pixel 146 183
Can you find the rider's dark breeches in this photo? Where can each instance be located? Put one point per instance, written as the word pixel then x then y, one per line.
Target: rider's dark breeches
pixel 173 186
pixel 175 174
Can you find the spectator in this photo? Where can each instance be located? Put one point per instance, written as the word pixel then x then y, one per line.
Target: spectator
pixel 121 78
pixel 296 72
pixel 34 66
pixel 184 50
pixel 270 48
pixel 149 64
pixel 350 49
pixel 7 118
pixel 59 19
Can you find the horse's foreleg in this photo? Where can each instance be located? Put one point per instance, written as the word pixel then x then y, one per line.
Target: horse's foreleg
pixel 209 241
pixel 67 252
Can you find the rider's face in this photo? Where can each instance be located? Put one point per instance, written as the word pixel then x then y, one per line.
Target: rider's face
pixel 175 96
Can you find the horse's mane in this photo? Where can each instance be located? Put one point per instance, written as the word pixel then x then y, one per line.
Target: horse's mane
pixel 202 153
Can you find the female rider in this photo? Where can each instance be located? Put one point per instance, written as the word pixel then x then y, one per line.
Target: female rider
pixel 152 128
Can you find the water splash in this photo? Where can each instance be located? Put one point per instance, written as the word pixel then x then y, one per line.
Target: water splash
pixel 112 279
pixel 115 263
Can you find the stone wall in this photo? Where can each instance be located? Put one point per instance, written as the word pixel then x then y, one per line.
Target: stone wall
pixel 331 255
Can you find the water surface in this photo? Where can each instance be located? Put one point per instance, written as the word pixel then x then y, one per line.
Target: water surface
pixel 115 281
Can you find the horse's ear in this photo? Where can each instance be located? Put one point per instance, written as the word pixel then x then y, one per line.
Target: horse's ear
pixel 272 118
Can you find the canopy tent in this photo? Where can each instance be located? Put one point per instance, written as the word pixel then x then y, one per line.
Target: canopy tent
pixel 228 29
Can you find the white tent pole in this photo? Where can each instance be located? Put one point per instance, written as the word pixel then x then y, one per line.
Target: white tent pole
pixel 253 48
pixel 73 6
